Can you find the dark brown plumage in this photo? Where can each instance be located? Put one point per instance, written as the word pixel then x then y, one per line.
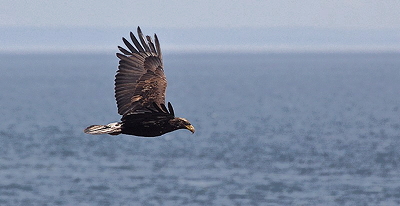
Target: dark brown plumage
pixel 140 85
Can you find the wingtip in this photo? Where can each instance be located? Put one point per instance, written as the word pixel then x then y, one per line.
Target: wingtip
pixel 171 109
pixel 139 31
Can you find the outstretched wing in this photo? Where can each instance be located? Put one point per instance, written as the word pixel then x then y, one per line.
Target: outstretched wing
pixel 140 80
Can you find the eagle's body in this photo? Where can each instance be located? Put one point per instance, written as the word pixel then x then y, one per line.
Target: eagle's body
pixel 140 85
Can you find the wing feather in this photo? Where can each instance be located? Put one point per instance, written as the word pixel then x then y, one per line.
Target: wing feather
pixel 141 38
pixel 140 80
pixel 126 52
pixel 129 62
pixel 164 108
pixel 129 45
pixel 136 42
pixel 158 46
pixel 171 109
pixel 151 45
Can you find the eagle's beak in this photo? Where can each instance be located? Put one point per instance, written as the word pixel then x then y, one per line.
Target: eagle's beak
pixel 190 128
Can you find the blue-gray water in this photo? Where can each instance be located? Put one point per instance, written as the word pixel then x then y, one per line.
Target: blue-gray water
pixel 271 129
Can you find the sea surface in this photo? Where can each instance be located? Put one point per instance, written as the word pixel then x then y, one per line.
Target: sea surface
pixel 271 129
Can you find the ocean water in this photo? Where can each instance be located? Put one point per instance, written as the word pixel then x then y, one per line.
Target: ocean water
pixel 271 129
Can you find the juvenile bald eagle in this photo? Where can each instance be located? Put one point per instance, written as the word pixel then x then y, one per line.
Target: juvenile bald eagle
pixel 140 85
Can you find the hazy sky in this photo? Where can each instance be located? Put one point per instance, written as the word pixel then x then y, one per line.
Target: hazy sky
pixel 364 14
pixel 94 25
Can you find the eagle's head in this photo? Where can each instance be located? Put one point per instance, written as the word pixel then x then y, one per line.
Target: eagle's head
pixel 181 123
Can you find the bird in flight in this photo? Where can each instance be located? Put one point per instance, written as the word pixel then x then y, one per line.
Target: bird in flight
pixel 140 85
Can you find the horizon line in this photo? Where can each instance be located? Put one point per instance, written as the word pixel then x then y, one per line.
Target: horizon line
pixel 215 49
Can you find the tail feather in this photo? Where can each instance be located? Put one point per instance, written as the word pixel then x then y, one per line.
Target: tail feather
pixel 112 129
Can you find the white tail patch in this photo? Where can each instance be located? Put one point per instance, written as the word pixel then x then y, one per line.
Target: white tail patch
pixel 112 129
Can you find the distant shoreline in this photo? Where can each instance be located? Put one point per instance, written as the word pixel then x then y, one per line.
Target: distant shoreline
pixel 204 50
pixel 201 40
